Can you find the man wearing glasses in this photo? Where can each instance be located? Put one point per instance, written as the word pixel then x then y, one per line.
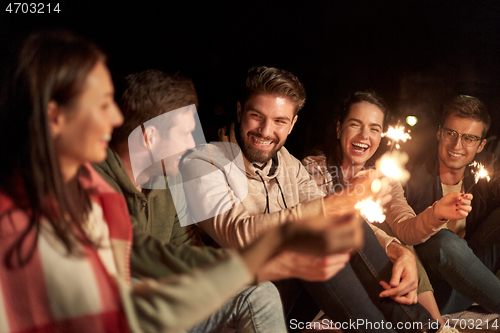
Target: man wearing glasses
pixel 461 256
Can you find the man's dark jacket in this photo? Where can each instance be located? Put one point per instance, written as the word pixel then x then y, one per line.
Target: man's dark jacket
pixel 424 188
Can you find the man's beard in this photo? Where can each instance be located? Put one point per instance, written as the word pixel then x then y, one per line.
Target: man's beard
pixel 255 155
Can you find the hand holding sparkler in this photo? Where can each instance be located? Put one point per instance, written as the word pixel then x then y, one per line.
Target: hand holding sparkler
pixel 453 206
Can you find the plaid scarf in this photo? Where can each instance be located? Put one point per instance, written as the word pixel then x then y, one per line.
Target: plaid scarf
pixel 56 292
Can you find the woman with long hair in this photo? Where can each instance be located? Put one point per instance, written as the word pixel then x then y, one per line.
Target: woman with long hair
pixel 351 143
pixel 65 234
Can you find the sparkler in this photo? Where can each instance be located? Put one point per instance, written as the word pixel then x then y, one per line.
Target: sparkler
pixel 392 165
pixel 376 186
pixel 479 172
pixel 396 134
pixel 370 210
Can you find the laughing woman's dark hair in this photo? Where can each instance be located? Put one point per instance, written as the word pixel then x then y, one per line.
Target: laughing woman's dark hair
pixel 49 67
pixel 332 149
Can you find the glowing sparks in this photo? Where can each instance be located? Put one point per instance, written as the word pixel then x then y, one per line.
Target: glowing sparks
pixel 392 165
pixel 479 172
pixel 396 134
pixel 376 186
pixel 370 210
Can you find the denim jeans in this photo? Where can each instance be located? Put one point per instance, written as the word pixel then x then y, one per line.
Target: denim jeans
pixel 256 309
pixel 352 295
pixel 463 272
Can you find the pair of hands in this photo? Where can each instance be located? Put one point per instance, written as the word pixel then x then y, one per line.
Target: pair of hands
pixel 315 249
pixel 289 264
pixel 404 280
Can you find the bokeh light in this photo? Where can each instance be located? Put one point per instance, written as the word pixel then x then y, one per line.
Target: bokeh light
pixel 411 120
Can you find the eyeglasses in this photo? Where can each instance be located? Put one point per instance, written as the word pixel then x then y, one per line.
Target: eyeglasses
pixel 450 135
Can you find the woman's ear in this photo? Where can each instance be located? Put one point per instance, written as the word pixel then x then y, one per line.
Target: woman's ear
pixel 338 129
pixel 55 118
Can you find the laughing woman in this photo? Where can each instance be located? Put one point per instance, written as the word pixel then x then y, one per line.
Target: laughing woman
pixel 351 143
pixel 65 235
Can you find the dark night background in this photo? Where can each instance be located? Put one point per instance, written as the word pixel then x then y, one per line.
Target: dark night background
pixel 414 53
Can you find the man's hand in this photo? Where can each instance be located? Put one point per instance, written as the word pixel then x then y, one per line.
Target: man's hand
pixel 360 187
pixel 302 266
pixel 404 281
pixel 313 250
pixel 453 206
pixel 324 236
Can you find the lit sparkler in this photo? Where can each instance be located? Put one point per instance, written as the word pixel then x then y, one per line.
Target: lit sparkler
pixel 370 210
pixel 479 172
pixel 396 134
pixel 392 165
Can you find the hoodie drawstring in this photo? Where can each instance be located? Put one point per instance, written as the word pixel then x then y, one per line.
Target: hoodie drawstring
pixel 281 190
pixel 265 189
pixel 267 194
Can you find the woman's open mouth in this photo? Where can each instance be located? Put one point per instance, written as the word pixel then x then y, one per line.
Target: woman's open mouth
pixel 359 147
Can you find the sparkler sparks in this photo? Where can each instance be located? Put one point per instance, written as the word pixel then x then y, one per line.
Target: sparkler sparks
pixel 370 210
pixel 479 172
pixel 396 134
pixel 376 186
pixel 392 165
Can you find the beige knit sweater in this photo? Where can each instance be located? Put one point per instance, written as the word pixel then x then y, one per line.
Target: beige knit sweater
pixel 235 202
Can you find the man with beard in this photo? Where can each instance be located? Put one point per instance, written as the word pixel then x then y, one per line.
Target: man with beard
pixel 276 189
pixel 460 256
